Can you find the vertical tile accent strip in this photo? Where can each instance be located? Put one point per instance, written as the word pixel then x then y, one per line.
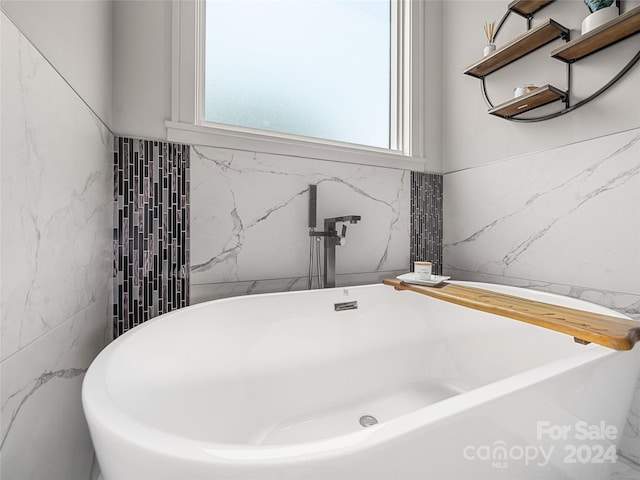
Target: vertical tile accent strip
pixel 426 219
pixel 151 230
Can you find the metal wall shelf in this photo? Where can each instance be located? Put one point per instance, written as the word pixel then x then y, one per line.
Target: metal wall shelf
pixel 526 8
pixel 624 26
pixel 517 48
pixel 601 37
pixel 539 97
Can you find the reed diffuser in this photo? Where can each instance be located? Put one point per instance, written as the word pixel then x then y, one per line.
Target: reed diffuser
pixel 489 31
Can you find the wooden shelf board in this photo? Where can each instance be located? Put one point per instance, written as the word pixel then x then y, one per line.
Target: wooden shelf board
pixel 539 97
pixel 601 37
pixel 520 46
pixel 527 7
pixel 585 327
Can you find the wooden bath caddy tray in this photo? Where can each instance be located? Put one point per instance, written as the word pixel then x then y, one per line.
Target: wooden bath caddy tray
pixel 585 327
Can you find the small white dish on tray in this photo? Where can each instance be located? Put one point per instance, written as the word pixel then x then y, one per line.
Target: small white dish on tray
pixel 411 278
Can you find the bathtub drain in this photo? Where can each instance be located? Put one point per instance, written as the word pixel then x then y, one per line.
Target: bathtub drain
pixel 368 420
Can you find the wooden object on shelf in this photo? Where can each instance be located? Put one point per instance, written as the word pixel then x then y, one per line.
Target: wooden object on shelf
pixel 539 97
pixel 520 46
pixel 607 34
pixel 527 7
pixel 585 327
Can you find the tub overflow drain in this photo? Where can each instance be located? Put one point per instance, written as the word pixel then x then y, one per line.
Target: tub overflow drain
pixel 368 420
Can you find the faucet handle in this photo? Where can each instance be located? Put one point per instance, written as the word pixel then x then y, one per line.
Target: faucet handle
pixel 342 238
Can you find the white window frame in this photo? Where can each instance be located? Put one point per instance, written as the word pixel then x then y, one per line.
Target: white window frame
pixel 407 108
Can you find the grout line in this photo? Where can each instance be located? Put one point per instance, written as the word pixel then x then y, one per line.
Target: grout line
pixel 530 280
pixel 515 157
pixel 301 277
pixel 51 330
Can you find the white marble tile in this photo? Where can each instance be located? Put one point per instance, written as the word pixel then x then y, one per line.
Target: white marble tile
pixel 624 471
pixel 630 443
pixel 56 197
pixel 567 216
pixel 249 215
pixel 56 229
pixel 44 433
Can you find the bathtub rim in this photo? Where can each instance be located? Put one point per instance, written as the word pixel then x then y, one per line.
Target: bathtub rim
pixel 103 411
pixel 176 446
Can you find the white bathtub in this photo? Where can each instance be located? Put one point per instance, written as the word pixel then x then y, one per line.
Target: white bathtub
pixel 273 386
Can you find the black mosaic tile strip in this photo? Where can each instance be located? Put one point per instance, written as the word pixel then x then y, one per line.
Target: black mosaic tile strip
pixel 151 230
pixel 426 219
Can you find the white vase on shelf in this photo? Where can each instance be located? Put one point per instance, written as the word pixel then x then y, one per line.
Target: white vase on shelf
pixel 599 17
pixel 489 48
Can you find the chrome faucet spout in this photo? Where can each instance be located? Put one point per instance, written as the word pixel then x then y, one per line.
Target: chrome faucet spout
pixel 346 218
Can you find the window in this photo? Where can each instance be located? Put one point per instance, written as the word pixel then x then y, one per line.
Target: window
pixel 304 67
pixel 354 92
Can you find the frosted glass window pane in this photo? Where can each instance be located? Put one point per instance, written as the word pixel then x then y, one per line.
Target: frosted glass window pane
pixel 315 68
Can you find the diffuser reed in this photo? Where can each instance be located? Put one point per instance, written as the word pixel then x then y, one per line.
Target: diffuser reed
pixel 489 31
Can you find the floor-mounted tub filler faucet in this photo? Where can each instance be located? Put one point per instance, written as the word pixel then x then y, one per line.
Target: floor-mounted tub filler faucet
pixel 332 239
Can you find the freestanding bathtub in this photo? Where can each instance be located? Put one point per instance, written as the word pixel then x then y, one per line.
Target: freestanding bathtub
pixel 279 386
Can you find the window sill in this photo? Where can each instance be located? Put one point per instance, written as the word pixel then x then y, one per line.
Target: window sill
pixel 208 136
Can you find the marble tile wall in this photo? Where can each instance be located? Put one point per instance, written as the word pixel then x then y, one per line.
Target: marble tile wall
pixel 565 220
pixel 624 470
pixel 249 221
pixel 150 230
pixel 56 217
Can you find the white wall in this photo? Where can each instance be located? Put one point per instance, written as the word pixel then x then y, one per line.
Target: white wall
pixel 472 137
pixel 553 205
pixel 142 68
pixel 75 37
pixel 56 205
pixel 434 103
